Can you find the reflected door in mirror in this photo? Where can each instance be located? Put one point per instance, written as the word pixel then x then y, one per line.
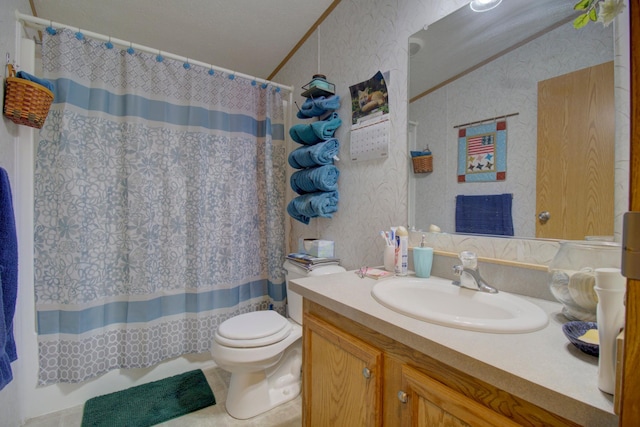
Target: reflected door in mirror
pixel 575 165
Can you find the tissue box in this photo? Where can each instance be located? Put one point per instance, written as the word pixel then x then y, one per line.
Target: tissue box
pixel 317 248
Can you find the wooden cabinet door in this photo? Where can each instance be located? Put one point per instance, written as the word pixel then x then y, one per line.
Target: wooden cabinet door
pixel 429 403
pixel 342 378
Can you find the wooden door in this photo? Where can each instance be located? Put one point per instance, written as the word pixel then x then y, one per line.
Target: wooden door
pixel 430 403
pixel 630 399
pixel 342 378
pixel 575 163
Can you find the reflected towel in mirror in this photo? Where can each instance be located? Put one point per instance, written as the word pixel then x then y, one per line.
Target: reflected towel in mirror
pixel 484 214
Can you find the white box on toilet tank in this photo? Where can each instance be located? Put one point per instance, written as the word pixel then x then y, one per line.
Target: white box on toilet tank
pixel 294 300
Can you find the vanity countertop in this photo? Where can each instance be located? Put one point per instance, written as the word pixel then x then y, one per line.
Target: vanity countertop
pixel 541 367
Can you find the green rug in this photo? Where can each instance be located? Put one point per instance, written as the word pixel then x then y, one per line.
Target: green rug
pixel 151 403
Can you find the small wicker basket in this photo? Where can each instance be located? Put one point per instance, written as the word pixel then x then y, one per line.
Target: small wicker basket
pixel 25 102
pixel 422 164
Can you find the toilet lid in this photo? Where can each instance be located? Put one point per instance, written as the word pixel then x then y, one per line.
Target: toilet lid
pixel 255 329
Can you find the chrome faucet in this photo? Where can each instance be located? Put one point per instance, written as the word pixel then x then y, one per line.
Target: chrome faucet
pixel 470 274
pixel 477 280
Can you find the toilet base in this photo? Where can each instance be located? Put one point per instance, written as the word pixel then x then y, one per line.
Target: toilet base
pixel 253 393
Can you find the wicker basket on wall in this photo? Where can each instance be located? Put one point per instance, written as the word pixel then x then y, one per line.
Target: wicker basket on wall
pixel 25 102
pixel 422 161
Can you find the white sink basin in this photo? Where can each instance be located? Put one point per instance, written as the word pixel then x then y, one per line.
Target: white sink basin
pixel 436 300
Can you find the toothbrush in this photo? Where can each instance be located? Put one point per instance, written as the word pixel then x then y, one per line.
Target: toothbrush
pixel 385 237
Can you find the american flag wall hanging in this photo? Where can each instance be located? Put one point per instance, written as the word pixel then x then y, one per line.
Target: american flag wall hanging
pixel 482 152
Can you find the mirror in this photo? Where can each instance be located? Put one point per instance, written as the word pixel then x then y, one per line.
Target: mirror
pixel 471 67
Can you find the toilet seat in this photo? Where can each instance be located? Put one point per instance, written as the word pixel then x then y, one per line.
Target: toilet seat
pixel 255 329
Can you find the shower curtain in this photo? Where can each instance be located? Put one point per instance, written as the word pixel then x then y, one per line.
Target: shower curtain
pixel 159 207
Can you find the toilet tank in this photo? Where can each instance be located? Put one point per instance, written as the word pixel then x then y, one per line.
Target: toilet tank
pixel 294 300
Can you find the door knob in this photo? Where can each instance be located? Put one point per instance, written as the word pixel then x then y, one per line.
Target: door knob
pixel 544 216
pixel 402 396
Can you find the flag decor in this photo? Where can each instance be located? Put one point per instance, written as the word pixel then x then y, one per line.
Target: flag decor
pixel 482 152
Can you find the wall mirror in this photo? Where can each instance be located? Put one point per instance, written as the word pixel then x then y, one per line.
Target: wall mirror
pixel 470 68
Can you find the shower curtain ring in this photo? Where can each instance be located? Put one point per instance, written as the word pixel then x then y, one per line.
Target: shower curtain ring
pixel 159 57
pixel 186 65
pixel 131 51
pixel 108 44
pixel 50 30
pixel 211 72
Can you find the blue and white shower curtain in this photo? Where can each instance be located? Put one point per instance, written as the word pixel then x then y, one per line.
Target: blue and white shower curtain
pixel 159 207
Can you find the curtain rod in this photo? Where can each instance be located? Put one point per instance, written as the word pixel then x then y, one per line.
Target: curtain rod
pixel 43 23
pixel 485 120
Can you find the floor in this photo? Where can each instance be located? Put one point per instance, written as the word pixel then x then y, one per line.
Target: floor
pixel 287 415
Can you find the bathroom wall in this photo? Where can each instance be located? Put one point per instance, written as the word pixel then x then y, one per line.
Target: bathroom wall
pixel 359 38
pixel 10 404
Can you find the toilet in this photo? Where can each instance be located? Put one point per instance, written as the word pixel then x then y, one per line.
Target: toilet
pixel 263 352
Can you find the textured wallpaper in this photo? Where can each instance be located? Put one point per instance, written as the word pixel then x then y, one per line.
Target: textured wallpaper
pixel 359 38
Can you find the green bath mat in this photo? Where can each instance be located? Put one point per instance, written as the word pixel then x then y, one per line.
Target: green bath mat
pixel 151 403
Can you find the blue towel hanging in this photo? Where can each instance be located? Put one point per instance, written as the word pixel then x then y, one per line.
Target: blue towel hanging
pixel 484 214
pixel 8 279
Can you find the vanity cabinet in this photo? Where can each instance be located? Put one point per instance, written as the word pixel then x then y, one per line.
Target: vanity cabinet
pixel 431 403
pixel 355 376
pixel 342 377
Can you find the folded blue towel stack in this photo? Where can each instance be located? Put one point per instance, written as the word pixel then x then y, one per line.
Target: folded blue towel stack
pixel 311 180
pixel 307 156
pixel 319 131
pixel 317 181
pixel 307 206
pixel 316 107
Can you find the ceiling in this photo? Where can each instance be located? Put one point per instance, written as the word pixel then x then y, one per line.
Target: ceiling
pixel 247 36
pixel 465 39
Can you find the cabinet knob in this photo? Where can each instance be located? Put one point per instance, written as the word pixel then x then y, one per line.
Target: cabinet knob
pixel 366 372
pixel 402 396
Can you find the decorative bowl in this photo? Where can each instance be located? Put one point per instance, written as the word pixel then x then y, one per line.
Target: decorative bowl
pixel 574 330
pixel 572 275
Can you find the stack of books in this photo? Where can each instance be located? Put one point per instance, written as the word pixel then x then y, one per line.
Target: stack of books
pixel 309 262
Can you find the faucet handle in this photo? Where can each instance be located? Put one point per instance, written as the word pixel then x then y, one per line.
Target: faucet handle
pixel 469 259
pixel 457 270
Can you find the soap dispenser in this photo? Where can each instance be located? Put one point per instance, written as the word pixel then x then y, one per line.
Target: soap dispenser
pixel 423 259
